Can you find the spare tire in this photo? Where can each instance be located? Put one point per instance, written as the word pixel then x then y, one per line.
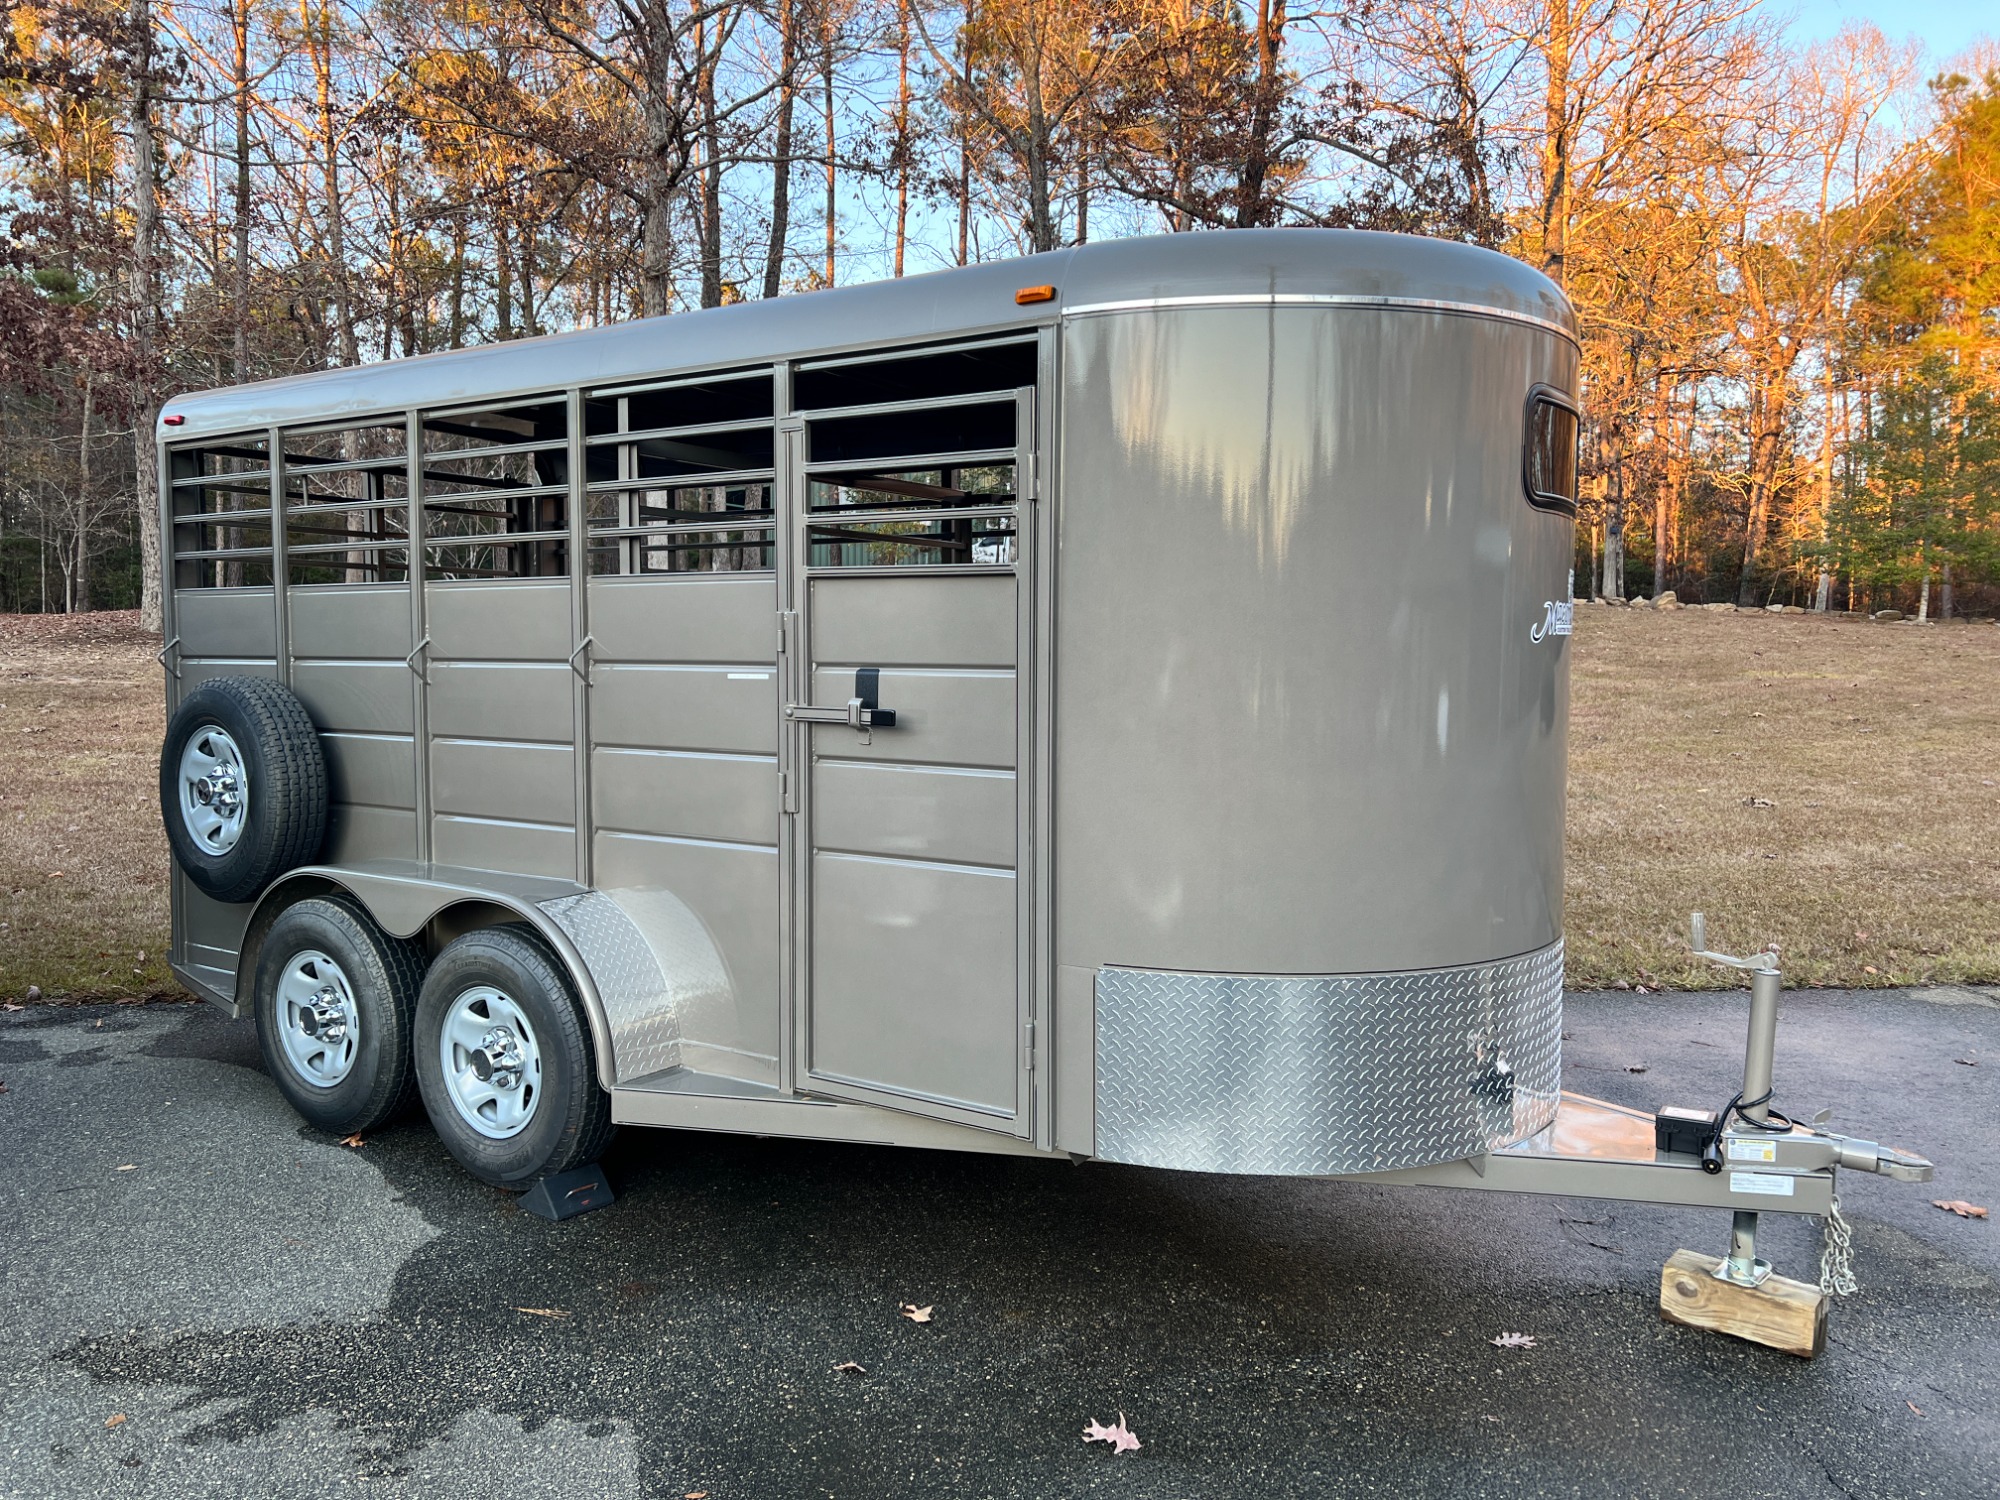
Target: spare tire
pixel 242 786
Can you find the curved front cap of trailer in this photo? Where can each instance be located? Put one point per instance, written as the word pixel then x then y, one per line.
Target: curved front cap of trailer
pixel 1311 690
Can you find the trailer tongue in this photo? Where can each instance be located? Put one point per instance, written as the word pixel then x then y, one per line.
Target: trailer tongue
pixel 1745 1157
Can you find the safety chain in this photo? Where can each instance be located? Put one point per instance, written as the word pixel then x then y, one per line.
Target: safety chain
pixel 1836 1258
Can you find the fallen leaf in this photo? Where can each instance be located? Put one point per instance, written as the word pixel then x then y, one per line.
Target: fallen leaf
pixel 1960 1207
pixel 353 1142
pixel 128 1167
pixel 1635 1067
pixel 1914 1407
pixel 1119 1436
pixel 10 1005
pixel 1485 1418
pixel 848 1367
pixel 1970 1062
pixel 1758 802
pixel 116 1419
pixel 695 1495
pixel 915 1313
pixel 1621 984
pixel 1868 969
pixel 543 1312
pixel 1513 1341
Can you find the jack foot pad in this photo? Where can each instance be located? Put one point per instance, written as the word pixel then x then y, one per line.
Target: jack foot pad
pixel 1778 1312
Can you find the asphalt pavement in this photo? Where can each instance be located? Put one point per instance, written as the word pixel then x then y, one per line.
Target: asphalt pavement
pixel 202 1297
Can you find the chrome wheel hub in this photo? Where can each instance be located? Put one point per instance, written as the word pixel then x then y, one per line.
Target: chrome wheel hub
pixel 319 1025
pixel 214 789
pixel 492 1062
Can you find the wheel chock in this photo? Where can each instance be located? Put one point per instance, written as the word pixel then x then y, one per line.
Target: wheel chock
pixel 567 1194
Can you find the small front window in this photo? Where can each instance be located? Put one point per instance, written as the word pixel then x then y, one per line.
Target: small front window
pixel 1551 458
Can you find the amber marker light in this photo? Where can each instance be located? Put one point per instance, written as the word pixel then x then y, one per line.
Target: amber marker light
pixel 174 421
pixel 1029 294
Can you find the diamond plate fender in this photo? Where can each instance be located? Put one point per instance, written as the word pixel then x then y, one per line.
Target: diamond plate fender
pixel 1324 1075
pixel 652 962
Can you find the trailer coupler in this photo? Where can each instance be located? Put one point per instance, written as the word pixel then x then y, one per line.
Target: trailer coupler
pixel 1746 1158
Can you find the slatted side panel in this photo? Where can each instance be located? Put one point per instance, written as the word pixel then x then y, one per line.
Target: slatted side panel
pixel 684 784
pixel 348 648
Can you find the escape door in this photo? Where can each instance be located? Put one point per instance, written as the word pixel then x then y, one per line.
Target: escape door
pixel 907 706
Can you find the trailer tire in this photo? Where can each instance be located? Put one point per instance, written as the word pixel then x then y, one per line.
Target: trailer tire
pixel 504 1061
pixel 242 786
pixel 336 1002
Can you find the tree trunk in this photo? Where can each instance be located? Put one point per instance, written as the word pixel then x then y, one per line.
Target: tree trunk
pixel 1556 142
pixel 902 129
pixel 781 167
pixel 1265 99
pixel 239 278
pixel 711 169
pixel 964 185
pixel 1944 592
pixel 81 602
pixel 145 206
pixel 826 88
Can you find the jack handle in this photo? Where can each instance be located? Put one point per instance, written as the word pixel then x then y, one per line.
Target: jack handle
pixel 1698 941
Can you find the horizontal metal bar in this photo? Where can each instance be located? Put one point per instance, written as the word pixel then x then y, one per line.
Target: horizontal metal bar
pixel 312 467
pixel 964 458
pixel 493 538
pixel 336 549
pixel 698 429
pixel 681 383
pixel 907 570
pixel 224 554
pixel 223 517
pixel 721 477
pixel 250 483
pixel 1004 397
pixel 496 450
pixel 881 356
pixel 882 515
pixel 682 528
pixel 1683 1184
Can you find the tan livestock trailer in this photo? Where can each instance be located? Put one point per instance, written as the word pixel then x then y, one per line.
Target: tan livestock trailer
pixel 1110 704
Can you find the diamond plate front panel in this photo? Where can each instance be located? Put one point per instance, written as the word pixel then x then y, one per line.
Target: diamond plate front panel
pixel 1319 1076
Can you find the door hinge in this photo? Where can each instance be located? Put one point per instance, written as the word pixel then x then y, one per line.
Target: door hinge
pixel 1028 1047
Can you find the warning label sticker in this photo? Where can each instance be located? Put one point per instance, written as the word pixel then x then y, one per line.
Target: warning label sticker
pixel 1753 1151
pixel 1771 1184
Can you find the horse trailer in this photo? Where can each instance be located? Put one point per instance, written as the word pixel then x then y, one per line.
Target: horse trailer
pixel 1107 704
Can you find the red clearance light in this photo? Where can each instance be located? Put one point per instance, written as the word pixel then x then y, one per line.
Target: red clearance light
pixel 174 421
pixel 1029 294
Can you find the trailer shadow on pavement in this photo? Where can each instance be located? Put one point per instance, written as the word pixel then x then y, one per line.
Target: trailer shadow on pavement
pixel 206 1298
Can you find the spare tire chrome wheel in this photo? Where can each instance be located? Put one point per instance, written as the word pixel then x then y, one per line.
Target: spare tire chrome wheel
pixel 335 998
pixel 505 1061
pixel 215 789
pixel 242 786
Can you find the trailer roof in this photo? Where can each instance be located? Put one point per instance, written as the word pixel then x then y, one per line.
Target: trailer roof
pixel 1332 265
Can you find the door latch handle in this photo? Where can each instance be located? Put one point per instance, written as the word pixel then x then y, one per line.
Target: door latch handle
pixel 855 714
pixel 861 711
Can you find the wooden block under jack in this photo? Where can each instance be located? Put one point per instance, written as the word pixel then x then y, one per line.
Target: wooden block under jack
pixel 1780 1314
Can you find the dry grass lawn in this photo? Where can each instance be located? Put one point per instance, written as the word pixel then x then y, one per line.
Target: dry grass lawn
pixel 1877 748
pixel 1825 786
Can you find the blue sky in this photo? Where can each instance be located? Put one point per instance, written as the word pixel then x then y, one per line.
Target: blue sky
pixel 1945 27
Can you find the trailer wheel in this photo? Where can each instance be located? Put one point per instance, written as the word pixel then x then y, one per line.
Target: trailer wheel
pixel 504 1061
pixel 242 786
pixel 336 999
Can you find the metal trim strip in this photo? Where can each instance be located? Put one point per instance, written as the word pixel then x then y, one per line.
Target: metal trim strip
pixel 1325 299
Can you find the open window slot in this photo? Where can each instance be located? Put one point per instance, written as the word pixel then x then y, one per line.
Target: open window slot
pixel 941 486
